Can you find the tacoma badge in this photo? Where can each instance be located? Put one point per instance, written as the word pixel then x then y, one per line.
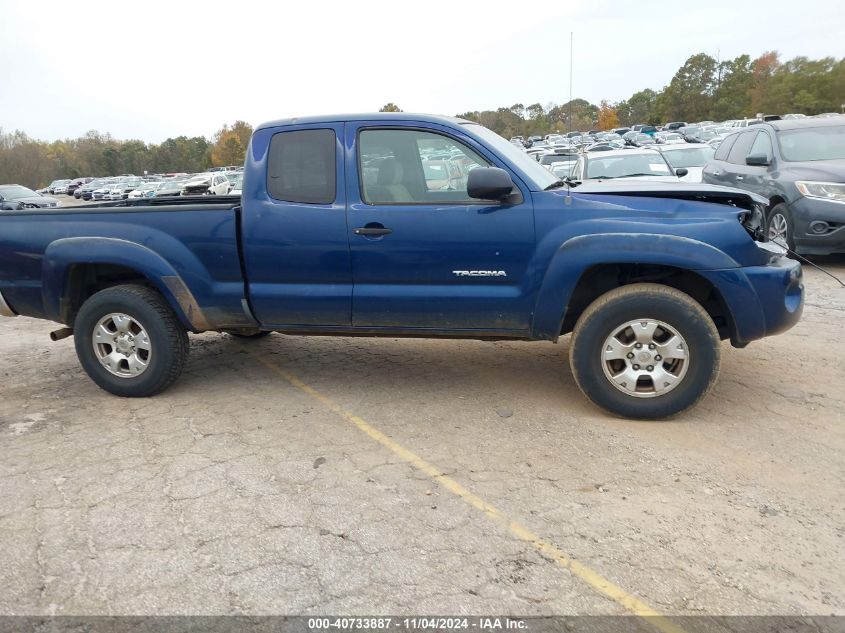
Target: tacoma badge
pixel 480 273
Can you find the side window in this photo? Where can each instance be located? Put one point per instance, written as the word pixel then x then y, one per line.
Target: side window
pixel 741 147
pixel 414 167
pixel 725 147
pixel 301 166
pixel 762 145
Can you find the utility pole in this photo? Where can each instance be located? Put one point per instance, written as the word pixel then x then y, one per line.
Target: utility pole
pixel 571 37
pixel 718 67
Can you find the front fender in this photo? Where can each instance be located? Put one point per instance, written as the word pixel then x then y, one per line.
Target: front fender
pixel 577 254
pixel 61 254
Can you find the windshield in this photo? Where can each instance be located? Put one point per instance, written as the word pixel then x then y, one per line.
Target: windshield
pixel 562 170
pixel 548 159
pixel 689 157
pixel 13 193
pixel 530 167
pixel 815 143
pixel 631 165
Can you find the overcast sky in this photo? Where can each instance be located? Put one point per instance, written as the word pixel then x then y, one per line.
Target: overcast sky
pixel 156 69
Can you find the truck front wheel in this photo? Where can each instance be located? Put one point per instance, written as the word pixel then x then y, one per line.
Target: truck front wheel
pixel 129 341
pixel 645 351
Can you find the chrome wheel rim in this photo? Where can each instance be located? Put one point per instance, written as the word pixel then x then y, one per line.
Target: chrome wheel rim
pixel 645 358
pixel 122 345
pixel 778 227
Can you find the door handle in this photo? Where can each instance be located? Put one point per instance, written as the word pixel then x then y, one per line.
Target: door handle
pixel 740 177
pixel 372 231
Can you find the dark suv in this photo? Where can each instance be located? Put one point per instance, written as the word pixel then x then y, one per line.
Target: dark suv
pixel 799 166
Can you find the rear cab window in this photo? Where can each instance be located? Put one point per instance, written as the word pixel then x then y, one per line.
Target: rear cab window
pixel 302 166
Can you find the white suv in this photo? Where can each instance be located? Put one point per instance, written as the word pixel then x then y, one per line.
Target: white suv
pixel 212 183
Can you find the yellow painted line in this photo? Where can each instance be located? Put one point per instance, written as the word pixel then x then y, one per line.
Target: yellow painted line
pixel 589 576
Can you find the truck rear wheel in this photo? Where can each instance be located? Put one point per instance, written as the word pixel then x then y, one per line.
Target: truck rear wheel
pixel 129 341
pixel 645 351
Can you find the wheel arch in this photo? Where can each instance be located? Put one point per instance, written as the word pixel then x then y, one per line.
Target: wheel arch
pixel 773 202
pixel 601 278
pixel 75 268
pixel 583 264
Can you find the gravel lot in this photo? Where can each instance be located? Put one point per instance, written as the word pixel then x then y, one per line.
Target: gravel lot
pixel 277 477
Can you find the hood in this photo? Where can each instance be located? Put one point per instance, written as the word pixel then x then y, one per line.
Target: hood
pixel 679 190
pixel 825 170
pixel 666 178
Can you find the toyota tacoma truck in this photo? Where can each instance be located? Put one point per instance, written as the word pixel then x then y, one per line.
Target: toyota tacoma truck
pixel 411 225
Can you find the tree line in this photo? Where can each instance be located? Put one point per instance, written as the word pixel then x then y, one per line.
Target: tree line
pixel 702 89
pixel 35 163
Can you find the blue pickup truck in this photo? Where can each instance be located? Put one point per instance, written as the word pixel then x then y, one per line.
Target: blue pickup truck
pixel 411 225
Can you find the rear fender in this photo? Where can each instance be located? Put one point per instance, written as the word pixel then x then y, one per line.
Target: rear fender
pixel 578 254
pixel 62 254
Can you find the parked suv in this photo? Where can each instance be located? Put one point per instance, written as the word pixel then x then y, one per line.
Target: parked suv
pixel 799 166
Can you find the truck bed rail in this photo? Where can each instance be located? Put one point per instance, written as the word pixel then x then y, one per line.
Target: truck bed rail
pixel 229 201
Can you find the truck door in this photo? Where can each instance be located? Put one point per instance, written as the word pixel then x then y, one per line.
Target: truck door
pixel 296 252
pixel 425 254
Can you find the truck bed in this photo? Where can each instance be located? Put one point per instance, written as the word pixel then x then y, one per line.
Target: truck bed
pixel 187 247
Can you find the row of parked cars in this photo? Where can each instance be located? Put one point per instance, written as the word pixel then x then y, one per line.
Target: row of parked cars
pixel 128 186
pixel 218 182
pixel 796 162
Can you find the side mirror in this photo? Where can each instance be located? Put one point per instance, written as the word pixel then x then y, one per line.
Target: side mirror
pixel 757 160
pixel 489 183
pixel 681 172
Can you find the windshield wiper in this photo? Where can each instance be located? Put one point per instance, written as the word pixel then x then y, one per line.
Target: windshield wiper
pixel 557 184
pixel 625 176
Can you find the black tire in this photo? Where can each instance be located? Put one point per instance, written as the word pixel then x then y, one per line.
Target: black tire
pixel 781 211
pixel 634 303
pixel 167 337
pixel 248 334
